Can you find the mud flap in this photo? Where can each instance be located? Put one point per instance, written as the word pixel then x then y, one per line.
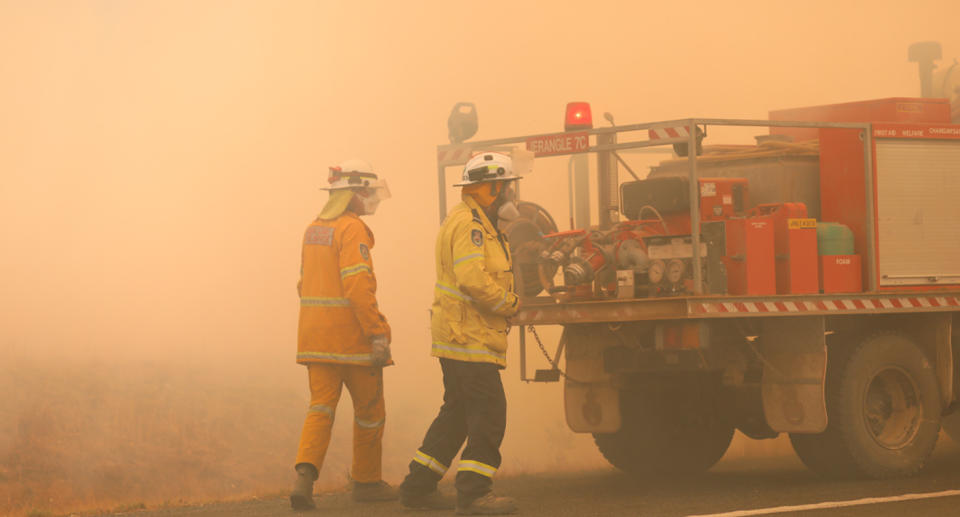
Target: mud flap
pixel 794 355
pixel 591 401
pixel 591 407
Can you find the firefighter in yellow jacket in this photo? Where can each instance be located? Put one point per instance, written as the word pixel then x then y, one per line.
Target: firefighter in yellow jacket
pixel 473 297
pixel 343 338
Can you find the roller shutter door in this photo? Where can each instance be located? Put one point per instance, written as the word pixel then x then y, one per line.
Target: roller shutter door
pixel 918 209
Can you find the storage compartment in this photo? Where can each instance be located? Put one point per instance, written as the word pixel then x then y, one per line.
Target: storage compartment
pixel 750 256
pixel 917 187
pixel 918 210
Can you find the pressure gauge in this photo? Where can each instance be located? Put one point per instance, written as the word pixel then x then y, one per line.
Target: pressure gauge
pixel 655 271
pixel 675 271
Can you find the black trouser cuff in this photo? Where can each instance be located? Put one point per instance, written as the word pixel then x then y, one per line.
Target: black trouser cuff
pixel 421 480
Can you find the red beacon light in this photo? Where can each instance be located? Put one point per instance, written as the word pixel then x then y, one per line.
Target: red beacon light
pixel 578 116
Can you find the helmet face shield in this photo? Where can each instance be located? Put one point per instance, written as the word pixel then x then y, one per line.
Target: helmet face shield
pixel 508 209
pixel 381 189
pixel 522 161
pixel 509 191
pixel 371 195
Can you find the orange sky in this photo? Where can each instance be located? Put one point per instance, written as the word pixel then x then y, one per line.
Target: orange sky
pixel 160 159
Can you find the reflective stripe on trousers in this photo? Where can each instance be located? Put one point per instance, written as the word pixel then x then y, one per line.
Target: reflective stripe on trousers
pixel 430 462
pixel 369 425
pixel 316 301
pixel 320 408
pixel 476 466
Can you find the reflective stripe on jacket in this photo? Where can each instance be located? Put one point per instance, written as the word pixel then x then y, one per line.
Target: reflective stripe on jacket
pixel 338 303
pixel 474 294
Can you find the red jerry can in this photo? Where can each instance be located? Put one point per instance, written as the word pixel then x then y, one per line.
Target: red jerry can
pixel 795 247
pixel 750 256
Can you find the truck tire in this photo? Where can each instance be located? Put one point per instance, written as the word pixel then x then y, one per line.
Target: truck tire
pixel 667 434
pixel 883 408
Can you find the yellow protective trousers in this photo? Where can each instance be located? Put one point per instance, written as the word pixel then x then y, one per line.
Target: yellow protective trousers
pixel 365 384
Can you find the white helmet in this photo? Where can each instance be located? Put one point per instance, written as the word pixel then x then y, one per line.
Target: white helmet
pixel 358 175
pixel 487 167
pixel 353 174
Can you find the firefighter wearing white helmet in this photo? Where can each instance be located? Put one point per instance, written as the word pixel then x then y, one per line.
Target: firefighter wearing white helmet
pixel 343 338
pixel 473 297
pixel 356 177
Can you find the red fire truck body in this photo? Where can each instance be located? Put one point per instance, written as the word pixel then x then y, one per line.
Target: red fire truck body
pixel 806 285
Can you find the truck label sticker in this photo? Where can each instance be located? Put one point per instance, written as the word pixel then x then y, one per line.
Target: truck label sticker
pixel 795 224
pixel 568 143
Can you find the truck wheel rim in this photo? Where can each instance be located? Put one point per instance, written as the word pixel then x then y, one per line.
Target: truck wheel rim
pixel 892 408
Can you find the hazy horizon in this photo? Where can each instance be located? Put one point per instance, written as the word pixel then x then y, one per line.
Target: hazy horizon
pixel 161 159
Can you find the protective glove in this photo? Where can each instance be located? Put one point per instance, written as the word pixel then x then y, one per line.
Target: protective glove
pixel 514 305
pixel 380 350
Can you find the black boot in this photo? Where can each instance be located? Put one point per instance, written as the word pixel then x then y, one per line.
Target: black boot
pixel 301 498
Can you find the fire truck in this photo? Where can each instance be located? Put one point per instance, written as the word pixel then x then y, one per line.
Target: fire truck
pixel 806 284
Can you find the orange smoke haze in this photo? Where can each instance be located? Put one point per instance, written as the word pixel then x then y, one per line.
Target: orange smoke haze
pixel 160 160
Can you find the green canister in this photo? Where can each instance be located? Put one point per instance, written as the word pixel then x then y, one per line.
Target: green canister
pixel 834 239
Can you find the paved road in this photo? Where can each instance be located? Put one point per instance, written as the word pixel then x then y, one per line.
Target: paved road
pixel 775 485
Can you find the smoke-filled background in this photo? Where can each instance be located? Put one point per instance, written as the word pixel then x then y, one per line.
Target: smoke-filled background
pixel 159 161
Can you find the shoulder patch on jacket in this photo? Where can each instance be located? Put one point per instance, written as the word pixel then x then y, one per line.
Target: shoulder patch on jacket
pixel 364 251
pixel 476 236
pixel 319 235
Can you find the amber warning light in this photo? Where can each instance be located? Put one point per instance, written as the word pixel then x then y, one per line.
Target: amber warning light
pixel 578 116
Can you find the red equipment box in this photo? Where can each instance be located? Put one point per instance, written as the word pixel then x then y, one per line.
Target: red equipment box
pixel 894 109
pixel 795 247
pixel 840 274
pixel 750 256
pixel 722 198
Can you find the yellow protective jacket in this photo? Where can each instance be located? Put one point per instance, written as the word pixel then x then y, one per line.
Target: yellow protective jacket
pixel 474 294
pixel 338 303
